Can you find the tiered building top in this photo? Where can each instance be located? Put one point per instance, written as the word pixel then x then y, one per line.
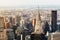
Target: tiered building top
pixel 38 27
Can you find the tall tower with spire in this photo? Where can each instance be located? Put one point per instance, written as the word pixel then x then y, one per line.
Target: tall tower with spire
pixel 38 27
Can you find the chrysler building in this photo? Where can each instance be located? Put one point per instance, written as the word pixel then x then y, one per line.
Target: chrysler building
pixel 38 27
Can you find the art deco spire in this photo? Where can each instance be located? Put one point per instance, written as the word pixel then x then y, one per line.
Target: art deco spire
pixel 38 17
pixel 38 28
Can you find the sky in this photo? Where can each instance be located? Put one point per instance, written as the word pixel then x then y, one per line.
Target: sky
pixel 30 3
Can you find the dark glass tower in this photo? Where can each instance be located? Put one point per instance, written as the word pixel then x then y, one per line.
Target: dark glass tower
pixel 54 20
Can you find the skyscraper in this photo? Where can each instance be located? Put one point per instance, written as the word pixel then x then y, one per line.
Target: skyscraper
pixel 33 22
pixel 54 20
pixel 6 34
pixel 1 22
pixel 37 34
pixel 38 28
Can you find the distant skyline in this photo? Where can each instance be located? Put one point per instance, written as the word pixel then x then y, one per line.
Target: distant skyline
pixel 43 4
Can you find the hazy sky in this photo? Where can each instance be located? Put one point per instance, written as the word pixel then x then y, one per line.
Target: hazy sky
pixel 30 3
